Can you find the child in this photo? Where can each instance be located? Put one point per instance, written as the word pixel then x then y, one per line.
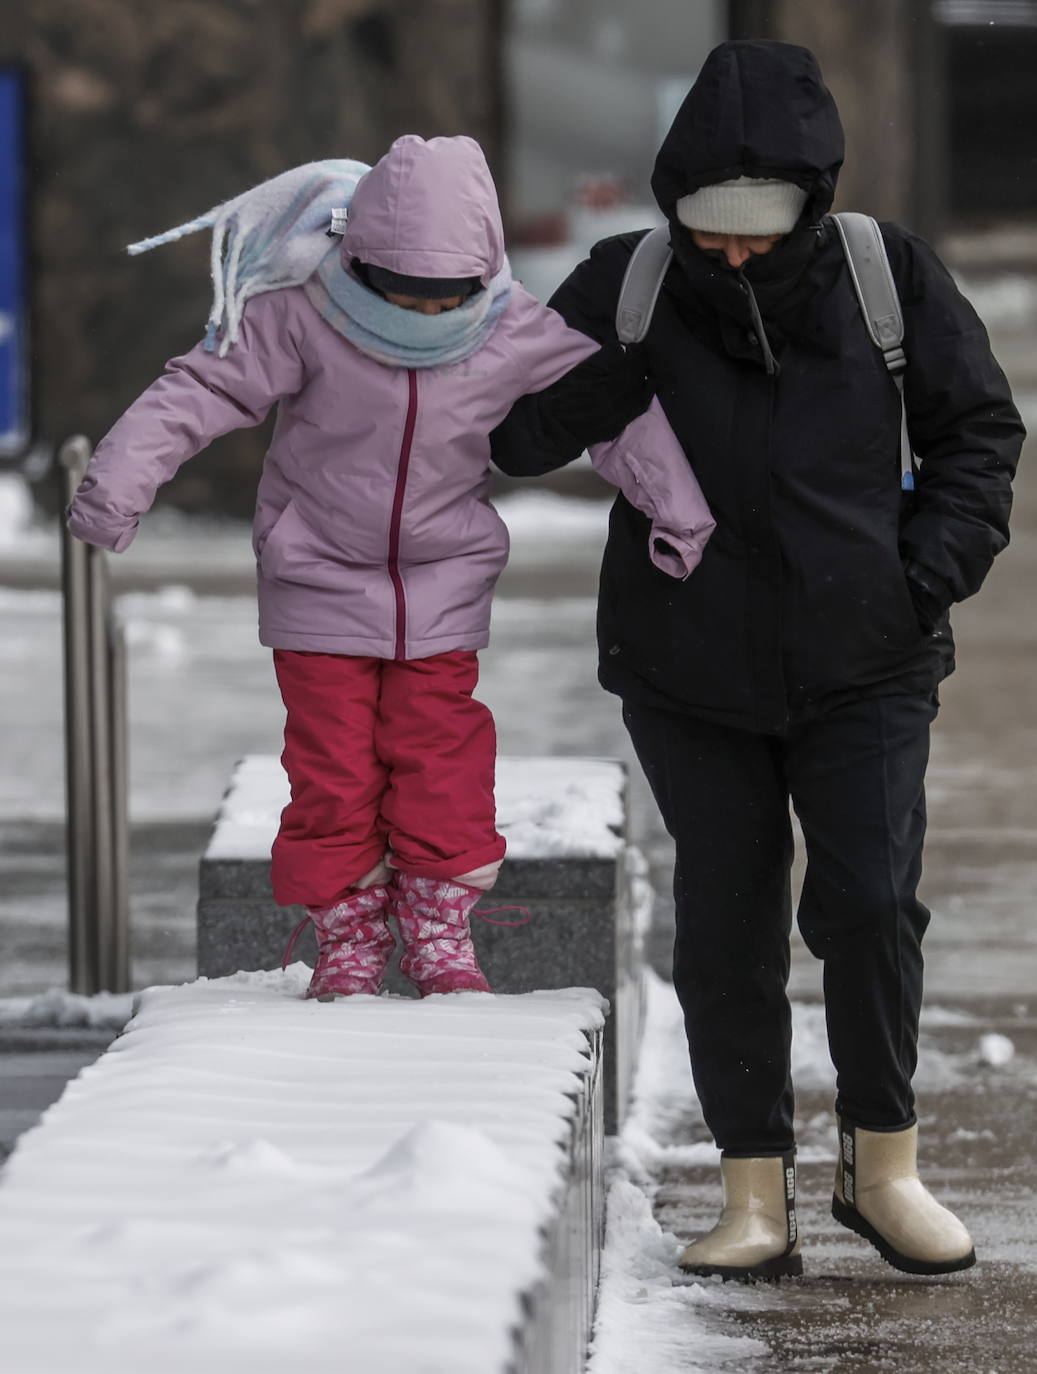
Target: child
pixel 376 545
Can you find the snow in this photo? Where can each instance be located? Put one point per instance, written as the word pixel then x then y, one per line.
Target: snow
pixel 561 808
pixel 16 509
pixel 995 1050
pixel 1005 301
pixel 646 1318
pixel 546 808
pixel 246 1174
pixel 55 1007
pixel 540 519
pixel 186 726
pixel 645 1321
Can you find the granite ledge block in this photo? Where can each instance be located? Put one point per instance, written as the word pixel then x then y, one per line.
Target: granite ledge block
pixel 592 879
pixel 581 932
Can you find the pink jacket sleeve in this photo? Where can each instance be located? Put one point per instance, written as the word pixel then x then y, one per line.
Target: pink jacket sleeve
pixel 545 345
pixel 199 397
pixel 648 465
pixel 645 462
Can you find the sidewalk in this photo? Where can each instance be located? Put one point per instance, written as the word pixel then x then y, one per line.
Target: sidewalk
pixel 35 1065
pixel 851 1313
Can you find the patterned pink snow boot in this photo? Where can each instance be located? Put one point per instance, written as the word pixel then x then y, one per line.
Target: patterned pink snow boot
pixel 438 954
pixel 354 945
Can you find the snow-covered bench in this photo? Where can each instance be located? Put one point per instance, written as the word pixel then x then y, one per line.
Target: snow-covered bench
pixel 247 1181
pixel 568 863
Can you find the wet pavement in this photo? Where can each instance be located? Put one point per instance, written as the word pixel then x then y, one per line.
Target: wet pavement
pixel 851 1313
pixel 35 1065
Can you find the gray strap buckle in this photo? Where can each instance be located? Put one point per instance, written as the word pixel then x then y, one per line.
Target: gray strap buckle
pixel 642 283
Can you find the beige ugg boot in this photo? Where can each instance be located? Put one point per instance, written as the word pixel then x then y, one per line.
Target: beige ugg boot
pixel 756 1236
pixel 879 1195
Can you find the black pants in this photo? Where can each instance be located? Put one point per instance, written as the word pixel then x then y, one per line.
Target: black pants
pixel 856 780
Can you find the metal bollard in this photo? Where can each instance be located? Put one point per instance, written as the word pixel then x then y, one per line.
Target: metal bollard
pixel 95 757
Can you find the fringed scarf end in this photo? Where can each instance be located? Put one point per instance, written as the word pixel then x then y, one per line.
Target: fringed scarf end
pixel 181 231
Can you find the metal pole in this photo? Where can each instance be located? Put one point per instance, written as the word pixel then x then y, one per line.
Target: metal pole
pixel 82 975
pixel 119 965
pixel 95 754
pixel 100 765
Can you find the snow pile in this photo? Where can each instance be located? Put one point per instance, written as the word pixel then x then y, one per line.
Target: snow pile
pixel 995 1050
pixel 648 1319
pixel 645 1320
pixel 55 1007
pixel 546 808
pixel 251 809
pixel 251 1182
pixel 642 894
pixel 561 808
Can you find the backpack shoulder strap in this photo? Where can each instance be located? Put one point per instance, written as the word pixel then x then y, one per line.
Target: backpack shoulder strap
pixel 873 281
pixel 642 283
pixel 872 278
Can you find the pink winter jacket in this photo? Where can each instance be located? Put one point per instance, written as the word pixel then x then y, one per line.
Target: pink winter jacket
pixel 373 533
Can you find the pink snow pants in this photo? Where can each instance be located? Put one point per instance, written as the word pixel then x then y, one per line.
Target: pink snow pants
pixel 382 755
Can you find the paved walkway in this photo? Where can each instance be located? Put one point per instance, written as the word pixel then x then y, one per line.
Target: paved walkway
pixel 35 1065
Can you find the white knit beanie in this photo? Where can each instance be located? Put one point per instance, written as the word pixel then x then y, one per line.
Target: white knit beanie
pixel 751 206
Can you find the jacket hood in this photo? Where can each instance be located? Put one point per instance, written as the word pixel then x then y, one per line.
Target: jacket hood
pixel 757 109
pixel 427 209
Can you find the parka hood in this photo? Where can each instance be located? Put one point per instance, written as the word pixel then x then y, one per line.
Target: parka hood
pixel 757 109
pixel 427 209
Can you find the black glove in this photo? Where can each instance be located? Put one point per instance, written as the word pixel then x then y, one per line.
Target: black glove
pixel 930 595
pixel 598 398
pixel 592 403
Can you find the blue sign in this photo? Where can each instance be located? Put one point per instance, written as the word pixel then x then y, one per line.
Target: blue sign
pixel 14 381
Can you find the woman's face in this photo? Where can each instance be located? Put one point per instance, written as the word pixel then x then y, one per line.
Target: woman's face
pixel 423 305
pixel 736 248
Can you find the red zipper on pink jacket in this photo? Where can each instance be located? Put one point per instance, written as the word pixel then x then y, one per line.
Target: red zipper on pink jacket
pixel 397 515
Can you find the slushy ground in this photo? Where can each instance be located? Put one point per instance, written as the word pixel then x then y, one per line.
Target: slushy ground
pixel 202 695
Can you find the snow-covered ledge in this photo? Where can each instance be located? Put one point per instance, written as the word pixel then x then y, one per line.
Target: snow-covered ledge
pixel 569 864
pixel 250 1182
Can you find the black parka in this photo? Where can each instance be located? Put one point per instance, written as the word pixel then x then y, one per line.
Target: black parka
pixel 822 581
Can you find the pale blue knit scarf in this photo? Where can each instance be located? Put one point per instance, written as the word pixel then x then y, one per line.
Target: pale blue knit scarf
pixel 399 337
pixel 276 235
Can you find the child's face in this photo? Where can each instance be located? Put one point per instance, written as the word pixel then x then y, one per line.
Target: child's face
pixel 423 305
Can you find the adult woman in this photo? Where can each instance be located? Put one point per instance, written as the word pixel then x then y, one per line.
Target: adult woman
pixel 801 660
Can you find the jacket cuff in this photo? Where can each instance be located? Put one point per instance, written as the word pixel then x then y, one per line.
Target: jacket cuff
pixel 677 555
pixel 115 540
